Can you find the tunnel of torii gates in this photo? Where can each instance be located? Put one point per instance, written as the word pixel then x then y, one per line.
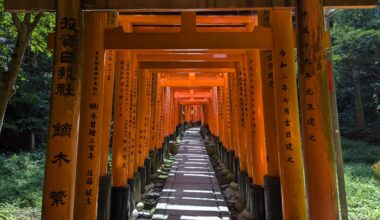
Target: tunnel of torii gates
pixel 235 74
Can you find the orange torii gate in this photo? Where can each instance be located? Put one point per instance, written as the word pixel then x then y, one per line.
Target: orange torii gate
pixel 248 72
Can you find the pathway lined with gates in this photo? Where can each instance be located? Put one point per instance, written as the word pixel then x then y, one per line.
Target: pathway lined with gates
pixel 192 190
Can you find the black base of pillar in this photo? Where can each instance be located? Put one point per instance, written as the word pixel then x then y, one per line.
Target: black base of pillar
pixel 232 161
pixel 258 202
pixel 272 194
pixel 132 202
pixel 142 173
pixel 104 197
pixel 236 169
pixel 171 147
pixel 248 195
pixel 137 188
pixel 153 167
pixel 147 165
pixel 223 150
pixel 119 203
pixel 242 184
pixel 159 157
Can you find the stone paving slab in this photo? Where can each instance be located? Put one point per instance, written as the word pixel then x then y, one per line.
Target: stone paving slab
pixel 192 190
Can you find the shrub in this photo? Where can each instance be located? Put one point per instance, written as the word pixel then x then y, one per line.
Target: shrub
pixel 21 179
pixel 360 152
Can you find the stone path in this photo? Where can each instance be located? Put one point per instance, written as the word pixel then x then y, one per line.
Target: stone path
pixel 192 190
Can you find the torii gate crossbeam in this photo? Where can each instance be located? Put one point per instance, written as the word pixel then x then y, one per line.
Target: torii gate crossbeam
pixel 179 5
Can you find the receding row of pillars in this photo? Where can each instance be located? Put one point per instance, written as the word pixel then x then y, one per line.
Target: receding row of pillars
pixel 94 91
pixel 257 117
pixel 279 125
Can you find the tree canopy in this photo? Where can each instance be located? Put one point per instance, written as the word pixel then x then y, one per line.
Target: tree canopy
pixel 28 110
pixel 356 55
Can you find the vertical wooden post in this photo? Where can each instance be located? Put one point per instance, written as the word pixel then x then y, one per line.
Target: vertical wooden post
pixel 235 116
pixel 288 128
pixel 134 80
pixel 188 22
pixel 241 91
pixel 161 116
pixel 141 118
pixel 227 112
pixel 147 112
pixel 247 91
pixel 214 111
pixel 120 141
pixel 166 111
pixel 90 124
pixel 120 152
pixel 336 132
pixel 221 115
pixel 154 100
pixel 316 118
pixel 61 155
pixel 266 63
pixel 171 113
pixel 257 117
pixel 108 91
pixel 158 111
pixel 272 188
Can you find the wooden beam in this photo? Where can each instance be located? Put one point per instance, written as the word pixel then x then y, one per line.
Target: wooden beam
pixel 221 57
pixel 176 20
pixel 350 4
pixel 193 101
pixel 185 65
pixel 186 75
pixel 187 90
pixel 117 39
pixel 51 36
pixel 150 29
pixel 191 83
pixel 182 96
pixel 200 70
pixel 179 5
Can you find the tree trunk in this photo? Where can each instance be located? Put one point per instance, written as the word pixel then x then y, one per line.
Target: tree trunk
pixel 8 77
pixel 32 141
pixel 360 117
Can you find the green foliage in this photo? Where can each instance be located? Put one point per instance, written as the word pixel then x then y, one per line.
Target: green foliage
pixel 28 110
pixel 21 182
pixel 360 152
pixel 363 192
pixel 21 179
pixel 356 50
pixel 12 212
pixel 362 186
pixel 8 34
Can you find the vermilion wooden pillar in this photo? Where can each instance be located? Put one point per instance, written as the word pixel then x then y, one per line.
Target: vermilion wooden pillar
pixel 108 91
pixel 288 127
pixel 61 152
pixel 120 140
pixel 234 114
pixel 317 135
pixel 259 154
pixel 242 108
pixel 143 109
pixel 90 127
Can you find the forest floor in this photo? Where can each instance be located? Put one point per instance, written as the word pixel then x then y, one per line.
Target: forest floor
pixel 21 182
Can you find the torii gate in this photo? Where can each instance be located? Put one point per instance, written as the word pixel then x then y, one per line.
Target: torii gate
pixel 79 52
